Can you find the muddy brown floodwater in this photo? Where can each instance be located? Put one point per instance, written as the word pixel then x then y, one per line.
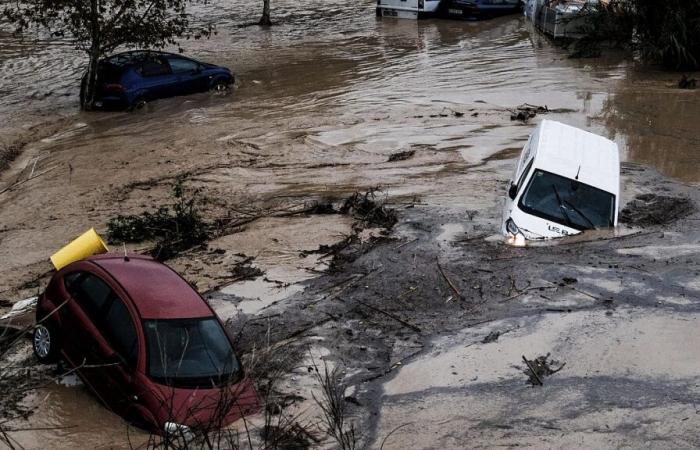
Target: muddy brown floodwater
pixel 322 101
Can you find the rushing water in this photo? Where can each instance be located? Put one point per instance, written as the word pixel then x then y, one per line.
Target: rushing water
pixel 333 57
pixel 330 83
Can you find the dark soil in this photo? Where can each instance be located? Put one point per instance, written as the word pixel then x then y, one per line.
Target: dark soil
pixel 651 209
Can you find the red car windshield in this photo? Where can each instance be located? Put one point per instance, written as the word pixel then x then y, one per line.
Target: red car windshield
pixel 190 353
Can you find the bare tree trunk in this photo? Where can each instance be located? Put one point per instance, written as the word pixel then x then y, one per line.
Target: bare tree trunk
pixel 265 19
pixel 88 88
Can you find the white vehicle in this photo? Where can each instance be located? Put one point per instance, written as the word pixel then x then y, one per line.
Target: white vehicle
pixel 407 9
pixel 567 180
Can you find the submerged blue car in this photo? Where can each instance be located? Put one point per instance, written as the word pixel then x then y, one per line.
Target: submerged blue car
pixel 469 9
pixel 129 80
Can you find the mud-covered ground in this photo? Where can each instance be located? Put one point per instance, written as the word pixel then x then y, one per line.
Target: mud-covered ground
pixel 621 310
pixel 422 110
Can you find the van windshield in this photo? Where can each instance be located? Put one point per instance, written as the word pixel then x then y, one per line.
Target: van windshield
pixel 568 202
pixel 190 352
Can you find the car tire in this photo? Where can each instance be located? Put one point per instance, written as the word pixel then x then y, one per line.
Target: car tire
pixel 45 343
pixel 138 104
pixel 220 87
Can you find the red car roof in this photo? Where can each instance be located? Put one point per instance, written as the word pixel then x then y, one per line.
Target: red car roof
pixel 157 291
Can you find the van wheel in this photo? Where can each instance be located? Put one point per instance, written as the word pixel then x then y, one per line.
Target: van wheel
pixel 45 343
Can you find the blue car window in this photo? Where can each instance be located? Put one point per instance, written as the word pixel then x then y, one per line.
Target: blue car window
pixel 182 65
pixel 154 67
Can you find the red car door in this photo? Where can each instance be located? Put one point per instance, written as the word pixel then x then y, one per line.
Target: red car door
pixel 95 324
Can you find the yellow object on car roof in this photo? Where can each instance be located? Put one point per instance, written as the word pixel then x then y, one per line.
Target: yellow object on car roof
pixel 87 244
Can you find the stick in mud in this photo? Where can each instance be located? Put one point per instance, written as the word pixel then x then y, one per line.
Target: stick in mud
pixel 452 286
pixel 532 370
pixel 390 315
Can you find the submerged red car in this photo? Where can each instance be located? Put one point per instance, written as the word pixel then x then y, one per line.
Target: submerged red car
pixel 145 342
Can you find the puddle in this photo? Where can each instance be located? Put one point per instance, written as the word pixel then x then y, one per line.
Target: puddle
pixel 256 294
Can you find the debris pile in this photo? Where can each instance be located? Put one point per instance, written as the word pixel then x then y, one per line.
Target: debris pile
pixel 370 212
pixel 401 156
pixel 539 368
pixel 527 111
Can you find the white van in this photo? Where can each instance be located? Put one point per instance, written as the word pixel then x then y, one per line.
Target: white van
pixel 567 180
pixel 407 9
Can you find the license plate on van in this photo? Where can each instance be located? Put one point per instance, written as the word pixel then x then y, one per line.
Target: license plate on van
pixel 389 13
pixel 457 12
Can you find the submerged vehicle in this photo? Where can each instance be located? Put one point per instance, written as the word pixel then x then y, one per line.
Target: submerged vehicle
pixel 561 18
pixel 129 80
pixel 407 9
pixel 466 9
pixel 567 180
pixel 144 342
pixel 463 9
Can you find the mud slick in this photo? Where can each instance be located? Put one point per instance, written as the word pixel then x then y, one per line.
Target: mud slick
pixel 389 308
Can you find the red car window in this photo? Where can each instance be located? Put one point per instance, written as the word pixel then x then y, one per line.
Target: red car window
pixel 90 293
pixel 120 332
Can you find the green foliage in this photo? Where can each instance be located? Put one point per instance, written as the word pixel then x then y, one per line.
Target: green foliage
pixel 174 228
pixel 98 27
pixel 142 23
pixel 664 32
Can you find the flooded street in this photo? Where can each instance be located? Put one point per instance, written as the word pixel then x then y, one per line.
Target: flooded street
pixel 321 103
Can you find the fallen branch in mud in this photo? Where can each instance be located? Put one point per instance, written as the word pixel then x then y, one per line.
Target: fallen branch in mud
pixel 381 447
pixel 392 316
pixel 12 186
pixel 452 286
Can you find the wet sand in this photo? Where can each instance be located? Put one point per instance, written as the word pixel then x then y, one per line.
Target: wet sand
pixel 321 103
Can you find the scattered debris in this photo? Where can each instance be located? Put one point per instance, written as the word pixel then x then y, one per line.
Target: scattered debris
pixel 368 210
pixel 568 280
pixel 526 112
pixel 244 270
pixel 540 367
pixel 651 209
pixel 687 83
pixel 20 307
pixel 401 156
pixel 491 337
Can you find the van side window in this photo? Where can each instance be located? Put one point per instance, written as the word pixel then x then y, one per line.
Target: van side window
pixel 119 330
pixel 524 174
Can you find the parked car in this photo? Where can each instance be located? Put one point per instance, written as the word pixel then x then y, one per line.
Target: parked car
pixel 145 342
pixel 467 9
pixel 129 80
pixel 567 180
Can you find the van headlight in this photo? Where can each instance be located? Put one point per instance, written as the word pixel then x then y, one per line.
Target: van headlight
pixel 512 228
pixel 515 236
